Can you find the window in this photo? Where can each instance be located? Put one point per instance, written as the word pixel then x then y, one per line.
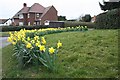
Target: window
pixel 20 23
pixel 28 23
pixel 46 22
pixel 21 16
pixel 28 15
pixel 37 15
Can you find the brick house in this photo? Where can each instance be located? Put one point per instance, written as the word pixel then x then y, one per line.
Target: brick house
pixel 35 15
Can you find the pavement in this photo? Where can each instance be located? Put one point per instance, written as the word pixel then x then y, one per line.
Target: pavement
pixel 4 42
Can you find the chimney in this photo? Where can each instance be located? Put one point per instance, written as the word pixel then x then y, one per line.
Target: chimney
pixel 24 5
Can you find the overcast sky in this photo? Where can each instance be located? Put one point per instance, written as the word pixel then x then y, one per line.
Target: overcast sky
pixel 72 9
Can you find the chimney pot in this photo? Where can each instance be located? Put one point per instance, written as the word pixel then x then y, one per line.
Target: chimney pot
pixel 24 5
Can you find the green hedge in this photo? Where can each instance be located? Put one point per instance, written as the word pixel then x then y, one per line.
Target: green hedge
pixel 77 23
pixel 108 20
pixel 17 28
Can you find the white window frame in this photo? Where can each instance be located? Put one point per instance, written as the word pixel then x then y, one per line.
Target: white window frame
pixel 28 23
pixel 37 15
pixel 21 16
pixel 28 15
pixel 46 22
pixel 20 23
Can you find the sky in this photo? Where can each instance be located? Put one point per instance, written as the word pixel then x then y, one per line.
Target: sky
pixel 72 9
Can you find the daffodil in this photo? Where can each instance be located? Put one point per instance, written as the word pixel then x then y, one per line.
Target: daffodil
pixel 42 48
pixel 43 41
pixel 13 43
pixel 33 41
pixel 59 44
pixel 9 39
pixel 28 45
pixel 51 50
pixel 85 26
pixel 28 38
pixel 36 37
pixel 37 44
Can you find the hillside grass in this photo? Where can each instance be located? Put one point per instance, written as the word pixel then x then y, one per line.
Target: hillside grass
pixel 91 54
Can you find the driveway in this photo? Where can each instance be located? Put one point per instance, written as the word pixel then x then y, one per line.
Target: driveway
pixel 3 42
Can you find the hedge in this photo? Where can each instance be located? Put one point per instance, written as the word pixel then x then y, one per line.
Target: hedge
pixel 77 23
pixel 108 20
pixel 17 28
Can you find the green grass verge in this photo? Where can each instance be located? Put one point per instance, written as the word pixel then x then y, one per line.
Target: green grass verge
pixel 91 54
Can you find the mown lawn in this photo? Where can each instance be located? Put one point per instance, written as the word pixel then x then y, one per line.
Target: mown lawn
pixel 91 54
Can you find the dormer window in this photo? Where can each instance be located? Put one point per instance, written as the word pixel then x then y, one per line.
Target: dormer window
pixel 21 16
pixel 37 15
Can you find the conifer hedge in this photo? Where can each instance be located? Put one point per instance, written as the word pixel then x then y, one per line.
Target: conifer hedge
pixel 108 20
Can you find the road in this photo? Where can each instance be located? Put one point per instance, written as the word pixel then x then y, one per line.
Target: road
pixel 3 42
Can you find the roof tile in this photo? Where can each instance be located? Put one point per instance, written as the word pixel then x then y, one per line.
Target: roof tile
pixel 37 8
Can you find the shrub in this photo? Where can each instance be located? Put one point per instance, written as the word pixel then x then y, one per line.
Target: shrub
pixel 87 18
pixel 108 20
pixel 18 28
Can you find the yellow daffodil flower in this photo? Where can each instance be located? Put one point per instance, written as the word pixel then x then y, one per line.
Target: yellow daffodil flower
pixel 13 43
pixel 37 44
pixel 9 39
pixel 59 44
pixel 42 48
pixel 28 38
pixel 51 50
pixel 36 37
pixel 28 45
pixel 43 42
pixel 33 41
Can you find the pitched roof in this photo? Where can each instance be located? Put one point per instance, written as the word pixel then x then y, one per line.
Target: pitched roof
pixel 23 10
pixel 3 21
pixel 36 7
pixel 45 11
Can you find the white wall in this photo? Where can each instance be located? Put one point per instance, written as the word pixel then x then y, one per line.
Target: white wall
pixel 7 23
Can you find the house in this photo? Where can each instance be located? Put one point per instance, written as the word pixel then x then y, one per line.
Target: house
pixel 114 0
pixel 5 22
pixel 109 5
pixel 93 19
pixel 35 15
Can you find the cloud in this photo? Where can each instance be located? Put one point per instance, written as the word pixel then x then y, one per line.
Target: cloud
pixel 68 8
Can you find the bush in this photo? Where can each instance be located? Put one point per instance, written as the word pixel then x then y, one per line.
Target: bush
pixel 87 18
pixel 77 23
pixel 108 20
pixel 18 28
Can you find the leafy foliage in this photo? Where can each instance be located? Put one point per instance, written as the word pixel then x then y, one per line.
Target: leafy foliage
pixel 87 18
pixel 108 20
pixel 31 48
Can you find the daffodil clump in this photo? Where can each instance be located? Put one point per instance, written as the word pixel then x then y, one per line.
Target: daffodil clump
pixel 33 50
pixel 31 47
